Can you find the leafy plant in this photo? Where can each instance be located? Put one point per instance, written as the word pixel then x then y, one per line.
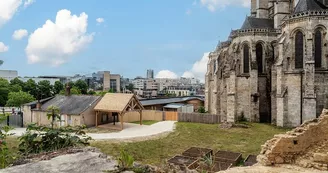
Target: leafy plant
pixel 125 161
pixel 201 109
pixel 39 139
pixel 6 156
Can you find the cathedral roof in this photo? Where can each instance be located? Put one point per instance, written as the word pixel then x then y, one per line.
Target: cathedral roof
pixel 260 23
pixel 308 5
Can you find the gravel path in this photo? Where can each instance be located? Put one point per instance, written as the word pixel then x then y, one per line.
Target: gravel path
pixel 131 131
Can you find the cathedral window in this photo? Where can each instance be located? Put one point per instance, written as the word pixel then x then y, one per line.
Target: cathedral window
pixel 318 48
pixel 299 50
pixel 246 58
pixel 259 57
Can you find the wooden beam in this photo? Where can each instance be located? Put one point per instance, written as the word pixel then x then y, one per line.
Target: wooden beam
pixel 121 119
pixel 140 112
pixel 96 118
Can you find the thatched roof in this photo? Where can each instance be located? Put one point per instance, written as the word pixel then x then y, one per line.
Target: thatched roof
pixel 116 102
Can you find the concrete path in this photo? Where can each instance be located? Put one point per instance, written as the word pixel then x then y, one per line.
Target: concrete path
pixel 131 131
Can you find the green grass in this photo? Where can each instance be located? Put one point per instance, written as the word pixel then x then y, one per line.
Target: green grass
pixel 157 151
pixel 146 122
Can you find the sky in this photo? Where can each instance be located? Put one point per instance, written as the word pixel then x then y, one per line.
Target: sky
pixel 127 37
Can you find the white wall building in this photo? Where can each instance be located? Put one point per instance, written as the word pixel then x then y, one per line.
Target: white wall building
pixel 8 74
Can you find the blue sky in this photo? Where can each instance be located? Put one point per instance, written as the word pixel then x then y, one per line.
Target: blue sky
pixel 136 35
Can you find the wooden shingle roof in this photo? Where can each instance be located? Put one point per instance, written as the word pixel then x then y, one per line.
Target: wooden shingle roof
pixel 117 102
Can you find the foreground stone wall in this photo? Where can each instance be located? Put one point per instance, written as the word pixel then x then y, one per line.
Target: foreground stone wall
pixel 286 148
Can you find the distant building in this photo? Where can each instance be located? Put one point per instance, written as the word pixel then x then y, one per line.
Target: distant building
pixel 8 74
pixel 150 74
pixel 38 79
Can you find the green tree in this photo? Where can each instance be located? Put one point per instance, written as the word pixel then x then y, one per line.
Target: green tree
pixel 18 82
pixel 4 91
pixel 16 99
pixel 31 87
pixel 75 91
pixel 44 89
pixel 82 86
pixel 58 87
pixel 15 88
pixel 130 87
pixel 111 90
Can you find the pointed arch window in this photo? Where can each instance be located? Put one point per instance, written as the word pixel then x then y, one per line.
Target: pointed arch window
pixel 299 49
pixel 318 48
pixel 246 58
pixel 259 57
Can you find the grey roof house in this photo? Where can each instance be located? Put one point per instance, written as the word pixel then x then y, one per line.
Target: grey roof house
pixel 74 110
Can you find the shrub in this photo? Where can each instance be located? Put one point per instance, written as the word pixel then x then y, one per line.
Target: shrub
pixel 39 139
pixel 242 118
pixel 201 109
pixel 6 156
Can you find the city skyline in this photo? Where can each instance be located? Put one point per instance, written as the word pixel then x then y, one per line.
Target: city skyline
pixel 109 35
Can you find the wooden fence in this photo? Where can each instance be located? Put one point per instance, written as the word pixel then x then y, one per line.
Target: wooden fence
pixel 199 118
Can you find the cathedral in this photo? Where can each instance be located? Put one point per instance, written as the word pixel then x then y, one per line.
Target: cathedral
pixel 274 69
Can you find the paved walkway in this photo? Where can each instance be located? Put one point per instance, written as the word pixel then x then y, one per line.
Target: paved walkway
pixel 131 131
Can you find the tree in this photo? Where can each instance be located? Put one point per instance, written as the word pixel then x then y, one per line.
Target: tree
pixel 16 99
pixel 15 88
pixel 44 89
pixel 4 91
pixel 31 87
pixel 111 90
pixel 75 91
pixel 53 115
pixel 58 87
pixel 82 86
pixel 130 87
pixel 18 82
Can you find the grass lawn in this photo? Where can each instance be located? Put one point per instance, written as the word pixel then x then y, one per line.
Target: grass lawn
pixel 146 122
pixel 246 141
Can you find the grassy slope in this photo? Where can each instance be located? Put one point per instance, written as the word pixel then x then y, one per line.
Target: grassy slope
pixel 246 141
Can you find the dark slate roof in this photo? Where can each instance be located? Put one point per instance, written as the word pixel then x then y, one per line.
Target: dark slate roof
pixel 308 5
pixel 149 102
pixel 72 105
pixel 260 23
pixel 35 102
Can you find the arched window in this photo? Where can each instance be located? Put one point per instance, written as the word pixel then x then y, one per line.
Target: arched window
pixel 259 57
pixel 317 48
pixel 246 58
pixel 299 49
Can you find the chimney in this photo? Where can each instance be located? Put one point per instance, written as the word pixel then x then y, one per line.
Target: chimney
pixel 38 105
pixel 68 90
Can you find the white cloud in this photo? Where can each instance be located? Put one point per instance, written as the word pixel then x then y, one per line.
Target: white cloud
pixel 55 42
pixel 213 5
pixel 188 12
pixel 3 47
pixel 7 9
pixel 166 74
pixel 28 3
pixel 199 69
pixel 20 34
pixel 100 20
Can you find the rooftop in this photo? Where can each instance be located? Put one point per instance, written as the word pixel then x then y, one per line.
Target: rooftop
pixel 309 5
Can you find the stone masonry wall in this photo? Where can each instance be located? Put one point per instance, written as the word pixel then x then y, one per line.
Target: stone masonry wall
pixel 286 148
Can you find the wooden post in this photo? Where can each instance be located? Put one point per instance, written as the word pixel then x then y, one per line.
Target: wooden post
pixel 96 118
pixel 121 119
pixel 140 112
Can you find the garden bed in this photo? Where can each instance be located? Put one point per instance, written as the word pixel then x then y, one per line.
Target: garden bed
pixel 196 152
pixel 250 160
pixel 228 157
pixel 215 167
pixel 184 162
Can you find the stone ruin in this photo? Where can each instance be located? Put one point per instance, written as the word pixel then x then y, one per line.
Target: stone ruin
pixel 305 146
